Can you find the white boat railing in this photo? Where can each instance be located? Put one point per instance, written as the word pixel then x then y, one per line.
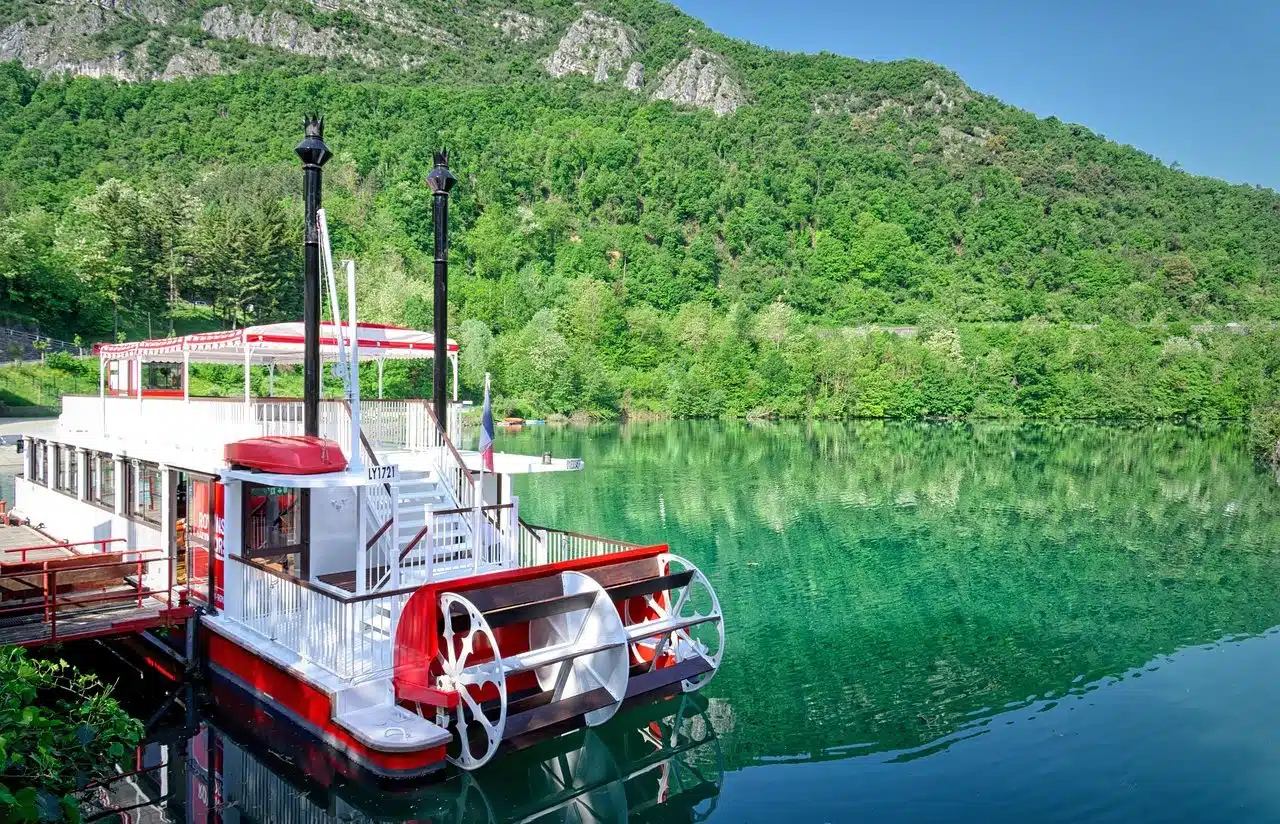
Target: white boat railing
pixel 209 423
pixel 543 545
pixel 350 636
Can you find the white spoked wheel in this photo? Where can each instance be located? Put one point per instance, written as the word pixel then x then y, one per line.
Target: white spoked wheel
pixel 696 600
pixel 470 660
pixel 597 628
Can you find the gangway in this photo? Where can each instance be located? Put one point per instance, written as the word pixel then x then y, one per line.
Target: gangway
pixel 55 593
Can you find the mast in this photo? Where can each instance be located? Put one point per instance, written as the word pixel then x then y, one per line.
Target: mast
pixel 314 154
pixel 440 181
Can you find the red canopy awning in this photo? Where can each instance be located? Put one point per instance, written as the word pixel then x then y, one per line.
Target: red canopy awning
pixel 278 343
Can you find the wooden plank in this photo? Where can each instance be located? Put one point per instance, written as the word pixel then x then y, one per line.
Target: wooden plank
pixel 502 596
pixel 649 682
pixel 84 623
pixel 555 714
pixel 341 580
pixel 521 613
pixel 649 586
pixel 624 573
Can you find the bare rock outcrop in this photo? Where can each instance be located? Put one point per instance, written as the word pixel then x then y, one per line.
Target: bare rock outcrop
pixel 59 47
pixel 191 62
pixel 391 14
pixel 703 79
pixel 594 45
pixel 634 81
pixel 159 12
pixel 521 27
pixel 280 31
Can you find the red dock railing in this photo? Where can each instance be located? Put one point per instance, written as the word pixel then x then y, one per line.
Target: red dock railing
pixel 22 551
pixel 101 600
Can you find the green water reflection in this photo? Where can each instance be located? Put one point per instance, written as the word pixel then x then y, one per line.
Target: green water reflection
pixel 887 585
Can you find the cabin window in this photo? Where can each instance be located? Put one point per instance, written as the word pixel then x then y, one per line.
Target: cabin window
pixel 106 480
pixel 101 480
pixel 63 469
pixel 145 501
pixel 73 472
pixel 40 462
pixel 273 524
pixel 162 377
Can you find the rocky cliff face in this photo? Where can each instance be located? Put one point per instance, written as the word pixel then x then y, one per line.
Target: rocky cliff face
pixel 134 40
pixel 594 45
pixel 279 30
pixel 519 26
pixel 57 47
pixel 703 79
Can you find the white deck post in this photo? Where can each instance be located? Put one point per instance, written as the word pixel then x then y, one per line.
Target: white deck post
pixel 50 471
pixel 380 378
pixel 77 455
pixel 186 376
pixel 118 480
pixel 514 532
pixel 102 392
pixel 361 552
pixel 271 379
pixel 353 366
pixel 168 538
pixel 429 539
pixel 454 360
pixel 248 361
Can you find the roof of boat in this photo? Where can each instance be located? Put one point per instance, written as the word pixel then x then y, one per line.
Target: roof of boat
pixel 278 343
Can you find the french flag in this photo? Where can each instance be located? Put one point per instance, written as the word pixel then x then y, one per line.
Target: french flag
pixel 486 430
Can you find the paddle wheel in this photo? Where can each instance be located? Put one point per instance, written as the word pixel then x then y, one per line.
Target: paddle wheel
pixel 505 660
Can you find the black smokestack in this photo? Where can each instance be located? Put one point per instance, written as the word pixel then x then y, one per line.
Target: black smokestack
pixel 314 154
pixel 440 181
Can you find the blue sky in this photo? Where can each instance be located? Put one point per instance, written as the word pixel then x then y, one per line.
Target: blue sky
pixel 1192 81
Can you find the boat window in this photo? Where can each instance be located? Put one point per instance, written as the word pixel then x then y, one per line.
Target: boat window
pixel 40 461
pixel 101 480
pixel 162 377
pixel 91 477
pixel 145 502
pixel 107 480
pixel 64 469
pixel 273 524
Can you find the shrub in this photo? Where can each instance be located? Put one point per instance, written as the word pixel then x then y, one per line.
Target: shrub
pixel 1264 435
pixel 59 730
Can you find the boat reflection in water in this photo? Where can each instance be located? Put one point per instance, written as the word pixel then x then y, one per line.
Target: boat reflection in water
pixel 659 763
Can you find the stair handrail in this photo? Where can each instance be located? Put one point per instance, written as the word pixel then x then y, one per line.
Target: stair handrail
pixel 445 444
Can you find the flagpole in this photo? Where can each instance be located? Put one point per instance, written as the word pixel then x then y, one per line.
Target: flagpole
pixel 479 514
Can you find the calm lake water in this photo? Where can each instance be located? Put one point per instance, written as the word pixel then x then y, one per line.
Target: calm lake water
pixel 963 622
pixel 925 623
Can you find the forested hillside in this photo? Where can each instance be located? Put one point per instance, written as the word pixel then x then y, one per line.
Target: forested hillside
pixel 650 217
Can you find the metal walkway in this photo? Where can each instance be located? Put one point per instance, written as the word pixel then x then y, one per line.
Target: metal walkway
pixel 54 593
pixel 75 625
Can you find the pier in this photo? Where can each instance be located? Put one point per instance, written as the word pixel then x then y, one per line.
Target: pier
pixel 52 593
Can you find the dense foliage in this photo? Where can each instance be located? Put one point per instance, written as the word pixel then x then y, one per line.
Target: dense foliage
pixel 613 254
pixel 59 730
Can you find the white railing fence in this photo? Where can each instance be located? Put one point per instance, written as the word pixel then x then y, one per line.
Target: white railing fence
pixel 352 637
pixel 544 545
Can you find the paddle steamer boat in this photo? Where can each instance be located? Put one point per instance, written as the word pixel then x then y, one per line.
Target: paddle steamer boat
pixel 356 574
